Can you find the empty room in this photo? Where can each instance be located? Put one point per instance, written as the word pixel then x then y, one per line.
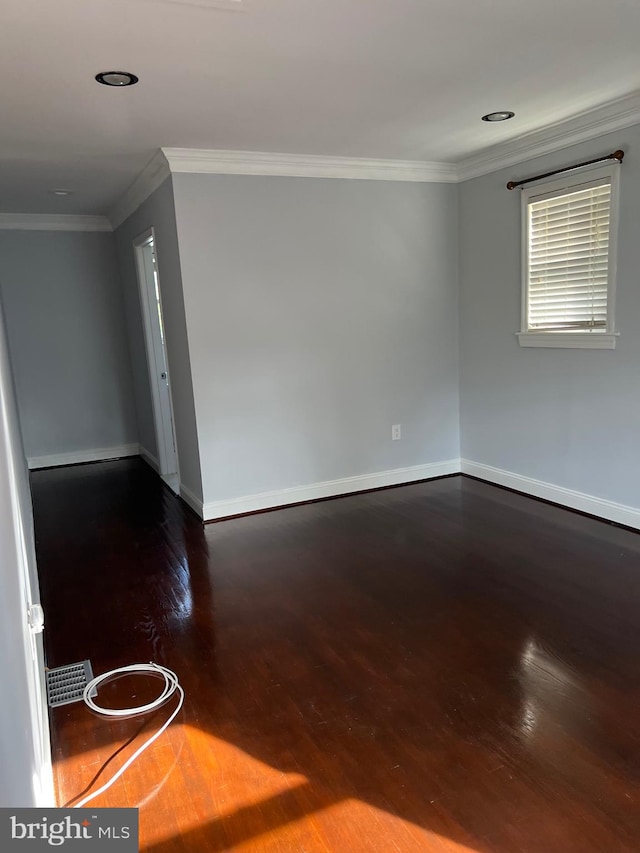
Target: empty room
pixel 320 420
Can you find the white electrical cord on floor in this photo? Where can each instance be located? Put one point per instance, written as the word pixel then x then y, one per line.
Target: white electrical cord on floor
pixel 171 687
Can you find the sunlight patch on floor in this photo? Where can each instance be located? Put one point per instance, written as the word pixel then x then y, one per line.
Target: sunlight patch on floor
pixel 236 784
pixel 248 805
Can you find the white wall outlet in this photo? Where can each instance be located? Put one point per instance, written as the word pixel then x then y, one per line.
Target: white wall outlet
pixel 396 432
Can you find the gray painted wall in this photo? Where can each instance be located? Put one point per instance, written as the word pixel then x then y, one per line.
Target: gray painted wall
pixel 65 321
pixel 567 417
pixel 158 211
pixel 319 313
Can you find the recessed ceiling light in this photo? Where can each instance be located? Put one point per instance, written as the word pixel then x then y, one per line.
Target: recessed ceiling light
pixel 116 78
pixel 61 192
pixel 501 115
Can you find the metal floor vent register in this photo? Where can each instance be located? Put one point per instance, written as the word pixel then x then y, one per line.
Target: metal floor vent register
pixel 65 684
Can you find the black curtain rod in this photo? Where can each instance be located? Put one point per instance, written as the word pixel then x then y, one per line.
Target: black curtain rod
pixel 617 155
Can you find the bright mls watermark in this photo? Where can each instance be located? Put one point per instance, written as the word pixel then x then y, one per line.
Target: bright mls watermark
pixel 69 829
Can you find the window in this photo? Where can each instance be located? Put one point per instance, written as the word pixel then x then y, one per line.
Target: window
pixel 569 230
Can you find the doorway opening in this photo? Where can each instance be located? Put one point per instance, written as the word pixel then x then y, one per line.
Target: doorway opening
pixel 151 303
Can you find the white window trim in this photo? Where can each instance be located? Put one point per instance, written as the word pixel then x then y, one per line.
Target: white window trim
pixel 572 340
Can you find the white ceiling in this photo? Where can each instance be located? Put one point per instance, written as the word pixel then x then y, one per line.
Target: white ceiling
pixel 398 79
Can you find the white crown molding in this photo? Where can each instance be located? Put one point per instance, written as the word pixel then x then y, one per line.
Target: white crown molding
pixel 618 513
pixel 221 162
pixel 213 510
pixel 154 173
pixel 607 118
pixel 52 222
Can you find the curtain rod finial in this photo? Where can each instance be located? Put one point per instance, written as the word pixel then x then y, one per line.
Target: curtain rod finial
pixel 511 185
pixel 618 155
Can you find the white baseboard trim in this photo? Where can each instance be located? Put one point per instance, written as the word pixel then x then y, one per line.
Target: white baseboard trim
pixel 327 489
pixel 609 510
pixel 212 510
pixel 149 458
pixel 191 500
pixel 97 455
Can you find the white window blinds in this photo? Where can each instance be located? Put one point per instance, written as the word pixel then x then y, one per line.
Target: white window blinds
pixel 568 259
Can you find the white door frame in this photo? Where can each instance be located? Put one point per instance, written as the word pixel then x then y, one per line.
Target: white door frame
pixel 156 361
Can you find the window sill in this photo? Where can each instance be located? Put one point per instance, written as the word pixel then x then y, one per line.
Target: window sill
pixel 568 340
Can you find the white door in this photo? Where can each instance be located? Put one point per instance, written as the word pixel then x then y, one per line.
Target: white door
pixel 25 771
pixel 149 283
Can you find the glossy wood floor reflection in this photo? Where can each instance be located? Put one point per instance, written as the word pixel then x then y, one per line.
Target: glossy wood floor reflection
pixel 445 666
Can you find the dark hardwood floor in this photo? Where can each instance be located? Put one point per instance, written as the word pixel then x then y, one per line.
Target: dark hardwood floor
pixel 442 666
